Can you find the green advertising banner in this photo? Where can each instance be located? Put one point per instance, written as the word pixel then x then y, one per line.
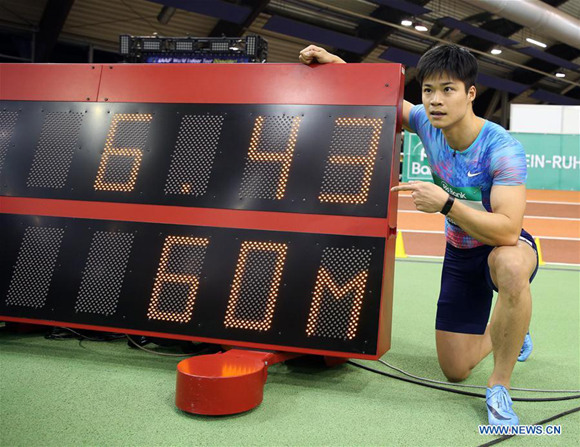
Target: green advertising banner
pixel 553 160
pixel 415 165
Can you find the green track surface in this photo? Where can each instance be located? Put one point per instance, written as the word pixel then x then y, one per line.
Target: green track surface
pixel 66 393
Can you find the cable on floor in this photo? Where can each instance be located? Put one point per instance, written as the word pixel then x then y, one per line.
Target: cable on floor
pixel 111 337
pixel 462 385
pixel 150 351
pixel 51 335
pixel 465 393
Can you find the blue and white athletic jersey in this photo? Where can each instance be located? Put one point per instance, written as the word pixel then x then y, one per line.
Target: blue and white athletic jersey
pixel 494 158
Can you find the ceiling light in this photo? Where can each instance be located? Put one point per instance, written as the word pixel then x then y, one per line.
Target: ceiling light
pixel 560 75
pixel 406 23
pixel 421 28
pixel 536 42
pixel 496 51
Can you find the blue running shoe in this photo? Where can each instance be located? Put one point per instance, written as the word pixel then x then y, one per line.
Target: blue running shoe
pixel 526 348
pixel 499 406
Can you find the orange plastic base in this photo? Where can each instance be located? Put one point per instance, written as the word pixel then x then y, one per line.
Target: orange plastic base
pixel 225 383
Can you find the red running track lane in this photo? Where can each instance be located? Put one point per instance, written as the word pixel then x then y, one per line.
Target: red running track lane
pixel 551 216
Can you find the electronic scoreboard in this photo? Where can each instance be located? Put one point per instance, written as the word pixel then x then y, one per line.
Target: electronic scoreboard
pixel 247 205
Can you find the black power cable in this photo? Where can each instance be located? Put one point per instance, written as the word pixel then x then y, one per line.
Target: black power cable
pixel 468 393
pixel 465 393
pixel 463 385
pixel 62 333
pixel 66 333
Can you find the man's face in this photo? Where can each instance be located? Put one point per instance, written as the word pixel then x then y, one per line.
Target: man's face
pixel 445 99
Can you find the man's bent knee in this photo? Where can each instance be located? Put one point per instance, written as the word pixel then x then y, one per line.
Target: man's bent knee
pixel 510 269
pixel 455 374
pixel 455 368
pixel 458 354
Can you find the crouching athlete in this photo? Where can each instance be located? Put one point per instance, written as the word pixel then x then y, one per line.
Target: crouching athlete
pixel 479 173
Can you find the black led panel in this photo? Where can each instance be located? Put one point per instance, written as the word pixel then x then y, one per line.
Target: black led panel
pixel 303 290
pixel 300 159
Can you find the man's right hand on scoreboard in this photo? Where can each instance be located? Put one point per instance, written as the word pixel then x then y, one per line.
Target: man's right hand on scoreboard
pixel 312 53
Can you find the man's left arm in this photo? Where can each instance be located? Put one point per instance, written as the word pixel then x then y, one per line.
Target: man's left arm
pixel 500 227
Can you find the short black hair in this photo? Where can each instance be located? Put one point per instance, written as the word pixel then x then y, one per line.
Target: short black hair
pixel 451 59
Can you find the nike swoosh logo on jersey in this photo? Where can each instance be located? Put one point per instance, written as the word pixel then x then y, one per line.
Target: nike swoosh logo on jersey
pixel 469 174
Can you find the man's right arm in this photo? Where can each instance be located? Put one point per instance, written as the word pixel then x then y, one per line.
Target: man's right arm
pixel 312 53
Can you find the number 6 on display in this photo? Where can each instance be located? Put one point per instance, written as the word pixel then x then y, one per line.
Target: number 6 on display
pixel 117 178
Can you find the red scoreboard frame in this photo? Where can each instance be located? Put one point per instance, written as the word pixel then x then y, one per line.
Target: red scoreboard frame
pixel 375 86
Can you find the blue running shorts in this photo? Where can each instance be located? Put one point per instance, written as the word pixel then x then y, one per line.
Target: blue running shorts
pixel 467 289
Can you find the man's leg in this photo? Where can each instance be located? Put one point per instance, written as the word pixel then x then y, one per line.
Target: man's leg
pixel 510 269
pixel 463 311
pixel 459 353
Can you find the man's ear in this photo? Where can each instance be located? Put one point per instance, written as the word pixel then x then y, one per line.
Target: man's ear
pixel 472 93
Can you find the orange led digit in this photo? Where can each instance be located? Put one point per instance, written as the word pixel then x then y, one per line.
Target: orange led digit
pixel 284 157
pixel 325 280
pixel 243 274
pixel 182 315
pixel 101 184
pixel 368 160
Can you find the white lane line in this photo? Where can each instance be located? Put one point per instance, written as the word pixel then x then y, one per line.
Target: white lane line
pixel 424 256
pixel 553 203
pixel 526 216
pixel 421 231
pixel 576 239
pixel 567 264
pixel 545 202
pixel 574 219
pixel 548 264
